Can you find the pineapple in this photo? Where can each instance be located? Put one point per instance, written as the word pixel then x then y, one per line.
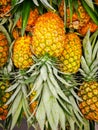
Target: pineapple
pixel 48 35
pixel 34 14
pixel 88 90
pixel 4 2
pixel 22 54
pixel 4 49
pixel 4 96
pixel 90 25
pixel 5 8
pixel 79 17
pixel 71 56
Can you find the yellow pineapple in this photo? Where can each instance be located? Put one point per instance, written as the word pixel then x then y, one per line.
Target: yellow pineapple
pixel 88 91
pixel 4 49
pixel 71 56
pixel 48 35
pixel 34 14
pixel 4 96
pixel 22 54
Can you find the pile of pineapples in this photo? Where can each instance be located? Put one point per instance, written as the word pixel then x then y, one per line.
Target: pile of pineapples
pixel 49 64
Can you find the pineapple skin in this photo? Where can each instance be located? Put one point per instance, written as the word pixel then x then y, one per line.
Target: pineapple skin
pixel 34 14
pixel 22 54
pixel 48 35
pixel 4 49
pixel 4 96
pixel 88 92
pixel 71 56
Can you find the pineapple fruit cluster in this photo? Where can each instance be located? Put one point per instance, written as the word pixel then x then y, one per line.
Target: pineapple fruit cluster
pixel 48 65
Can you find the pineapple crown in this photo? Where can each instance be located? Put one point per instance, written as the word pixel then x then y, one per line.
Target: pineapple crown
pixel 89 60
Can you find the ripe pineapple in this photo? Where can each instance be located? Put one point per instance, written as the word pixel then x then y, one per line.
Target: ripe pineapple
pixel 5 6
pixel 79 17
pixel 34 14
pixel 4 49
pixel 22 54
pixel 4 96
pixel 71 56
pixel 4 2
pixel 48 35
pixel 90 25
pixel 88 91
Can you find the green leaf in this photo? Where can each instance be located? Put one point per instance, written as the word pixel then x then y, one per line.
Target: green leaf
pixel 55 111
pixel 95 51
pixel 43 72
pixel 90 4
pixel 25 15
pixel 87 48
pixel 15 104
pixel 71 9
pixel 12 87
pixel 35 2
pixel 41 115
pixel 16 116
pixel 84 65
pixel 47 99
pixel 47 5
pixel 62 118
pixel 52 88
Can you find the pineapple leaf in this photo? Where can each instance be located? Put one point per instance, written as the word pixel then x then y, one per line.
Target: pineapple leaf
pixel 43 72
pixel 52 88
pixel 13 96
pixel 47 5
pixel 87 48
pixel 47 99
pixel 35 2
pixel 55 111
pixel 16 116
pixel 90 4
pixel 25 15
pixel 12 87
pixel 95 50
pixel 92 13
pixel 71 9
pixel 41 115
pixel 16 102
pixel 84 65
pixel 62 118
pixel 55 71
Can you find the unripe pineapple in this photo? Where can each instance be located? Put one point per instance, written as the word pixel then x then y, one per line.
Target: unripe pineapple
pixel 71 56
pixel 4 96
pixel 90 25
pixel 22 54
pixel 34 14
pixel 79 17
pixel 4 49
pixel 48 35
pixel 88 91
